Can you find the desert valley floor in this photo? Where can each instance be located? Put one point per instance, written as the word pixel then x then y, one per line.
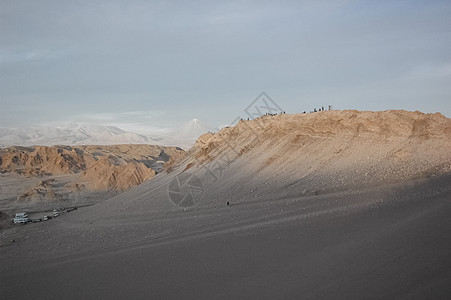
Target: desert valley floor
pixel 346 245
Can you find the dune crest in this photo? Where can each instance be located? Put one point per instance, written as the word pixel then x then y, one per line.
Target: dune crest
pixel 333 148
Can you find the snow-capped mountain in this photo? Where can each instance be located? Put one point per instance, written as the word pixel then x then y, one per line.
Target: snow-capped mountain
pixel 183 136
pixel 186 135
pixel 71 134
pixel 193 129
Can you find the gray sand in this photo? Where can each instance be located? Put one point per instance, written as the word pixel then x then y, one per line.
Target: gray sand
pixel 347 245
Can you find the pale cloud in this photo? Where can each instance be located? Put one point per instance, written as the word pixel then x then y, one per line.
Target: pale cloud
pixel 102 117
pixel 143 122
pixel 128 118
pixel 429 72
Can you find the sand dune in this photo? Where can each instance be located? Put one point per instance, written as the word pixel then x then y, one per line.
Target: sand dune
pixel 290 156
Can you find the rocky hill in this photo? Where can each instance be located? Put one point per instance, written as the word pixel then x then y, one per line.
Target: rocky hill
pixel 52 160
pixel 62 172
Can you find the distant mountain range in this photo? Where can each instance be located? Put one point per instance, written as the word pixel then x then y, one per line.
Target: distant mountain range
pixel 89 134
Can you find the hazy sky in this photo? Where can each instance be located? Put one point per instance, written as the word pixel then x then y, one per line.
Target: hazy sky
pixel 157 63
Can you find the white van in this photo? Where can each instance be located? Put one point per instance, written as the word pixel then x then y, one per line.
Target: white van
pixel 21 217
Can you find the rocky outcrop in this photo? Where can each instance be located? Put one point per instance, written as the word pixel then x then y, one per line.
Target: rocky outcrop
pixel 108 174
pixel 40 160
pixel 43 190
pixel 112 167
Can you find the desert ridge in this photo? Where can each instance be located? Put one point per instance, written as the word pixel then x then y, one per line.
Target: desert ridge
pixel 371 147
pixel 31 175
pixel 298 156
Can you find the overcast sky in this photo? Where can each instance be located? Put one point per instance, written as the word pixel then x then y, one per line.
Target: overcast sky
pixel 159 63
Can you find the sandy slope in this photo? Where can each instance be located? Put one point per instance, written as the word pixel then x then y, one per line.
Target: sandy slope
pixel 390 242
pixel 290 156
pixel 324 206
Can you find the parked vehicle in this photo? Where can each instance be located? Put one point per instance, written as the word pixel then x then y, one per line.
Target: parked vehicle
pixel 21 215
pixel 71 209
pixel 47 218
pixel 56 213
pixel 21 218
pixel 37 220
